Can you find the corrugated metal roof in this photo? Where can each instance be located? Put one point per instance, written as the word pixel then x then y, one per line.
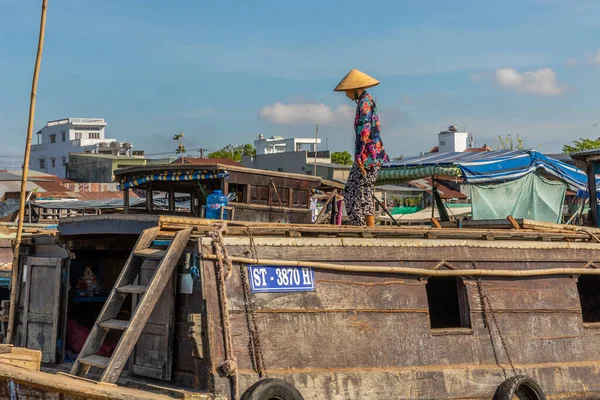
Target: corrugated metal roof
pixel 15 186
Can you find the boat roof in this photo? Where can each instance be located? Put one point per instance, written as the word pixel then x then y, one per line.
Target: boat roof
pixel 147 169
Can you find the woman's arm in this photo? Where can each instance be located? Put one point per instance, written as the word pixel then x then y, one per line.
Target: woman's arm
pixel 363 131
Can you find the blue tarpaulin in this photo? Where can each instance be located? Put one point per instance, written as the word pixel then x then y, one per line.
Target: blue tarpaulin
pixel 499 166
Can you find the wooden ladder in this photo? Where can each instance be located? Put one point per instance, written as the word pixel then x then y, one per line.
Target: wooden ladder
pixel 143 251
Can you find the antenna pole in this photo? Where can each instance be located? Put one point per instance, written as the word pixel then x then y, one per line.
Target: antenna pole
pixel 17 246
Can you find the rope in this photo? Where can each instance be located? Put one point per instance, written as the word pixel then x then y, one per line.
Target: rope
pixel 280 202
pixel 254 345
pixel 229 367
pixel 484 300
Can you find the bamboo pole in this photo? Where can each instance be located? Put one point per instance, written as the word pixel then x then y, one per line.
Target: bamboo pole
pixel 17 245
pixel 411 271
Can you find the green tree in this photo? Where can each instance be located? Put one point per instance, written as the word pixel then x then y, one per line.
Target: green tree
pixel 509 143
pixel 181 148
pixel 234 153
pixel 581 144
pixel 341 157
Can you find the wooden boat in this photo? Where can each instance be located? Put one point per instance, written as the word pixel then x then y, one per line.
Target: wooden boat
pixel 333 312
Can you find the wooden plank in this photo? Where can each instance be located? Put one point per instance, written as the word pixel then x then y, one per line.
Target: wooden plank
pixel 146 306
pixel 150 254
pixel 42 306
pixel 435 223
pixel 195 333
pixel 115 299
pixel 95 361
pixel 22 358
pixel 513 222
pixel 153 353
pixel 324 209
pixel 116 324
pixel 135 289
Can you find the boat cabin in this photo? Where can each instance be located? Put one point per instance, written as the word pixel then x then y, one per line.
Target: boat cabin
pixel 255 195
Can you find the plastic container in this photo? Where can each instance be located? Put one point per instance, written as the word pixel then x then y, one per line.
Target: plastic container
pixel 214 202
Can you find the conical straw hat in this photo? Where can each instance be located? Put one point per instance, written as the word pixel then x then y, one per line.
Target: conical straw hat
pixel 356 80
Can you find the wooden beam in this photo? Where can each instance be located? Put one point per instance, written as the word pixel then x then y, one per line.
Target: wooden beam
pixel 171 200
pixel 126 201
pixel 248 193
pixel 513 222
pixel 20 357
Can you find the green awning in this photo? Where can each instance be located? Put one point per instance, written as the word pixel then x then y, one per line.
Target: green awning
pixel 406 174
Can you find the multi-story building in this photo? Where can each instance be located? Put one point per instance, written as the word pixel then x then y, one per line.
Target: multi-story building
pixel 277 144
pixel 295 155
pixel 73 135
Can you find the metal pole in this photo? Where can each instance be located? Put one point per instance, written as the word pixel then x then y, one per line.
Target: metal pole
pixel 315 149
pixel 432 196
pixel 15 265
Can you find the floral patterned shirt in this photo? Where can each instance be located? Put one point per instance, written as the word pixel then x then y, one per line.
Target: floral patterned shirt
pixel 368 148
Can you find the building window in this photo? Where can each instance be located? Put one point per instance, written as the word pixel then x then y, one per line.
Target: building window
pixel 64 161
pixel 94 135
pixel 53 162
pixel 588 287
pixel 53 138
pixel 77 135
pixel 280 169
pixel 42 164
pixel 64 136
pixel 442 143
pixel 448 303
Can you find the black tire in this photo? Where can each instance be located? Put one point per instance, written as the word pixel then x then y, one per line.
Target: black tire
pixel 272 389
pixel 521 386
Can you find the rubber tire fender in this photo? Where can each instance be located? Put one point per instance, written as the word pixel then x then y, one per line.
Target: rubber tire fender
pixel 521 384
pixel 272 389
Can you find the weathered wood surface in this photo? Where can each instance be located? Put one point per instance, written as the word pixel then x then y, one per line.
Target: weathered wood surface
pixel 358 335
pixel 163 275
pixel 153 354
pixel 42 306
pixel 18 383
pixel 20 357
pixel 113 304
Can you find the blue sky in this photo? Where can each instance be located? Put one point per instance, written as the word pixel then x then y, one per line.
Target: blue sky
pixel 225 71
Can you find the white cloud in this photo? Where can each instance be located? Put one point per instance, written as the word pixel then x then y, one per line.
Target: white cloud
pixel 595 58
pixel 543 81
pixel 572 62
pixel 307 113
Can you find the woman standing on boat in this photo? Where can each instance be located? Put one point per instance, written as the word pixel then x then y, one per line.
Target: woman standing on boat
pixel 368 149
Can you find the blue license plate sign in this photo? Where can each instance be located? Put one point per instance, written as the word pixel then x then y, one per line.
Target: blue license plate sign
pixel 265 278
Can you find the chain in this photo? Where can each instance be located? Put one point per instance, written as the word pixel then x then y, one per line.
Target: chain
pixel 484 300
pixel 280 202
pixel 229 367
pixel 254 346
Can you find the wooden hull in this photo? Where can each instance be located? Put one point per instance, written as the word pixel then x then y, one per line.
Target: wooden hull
pixel 366 331
pixel 362 335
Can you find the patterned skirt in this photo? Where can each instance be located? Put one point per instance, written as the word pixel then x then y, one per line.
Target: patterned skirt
pixel 359 192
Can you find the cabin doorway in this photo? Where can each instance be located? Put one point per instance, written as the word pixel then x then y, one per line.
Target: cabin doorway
pixel 92 275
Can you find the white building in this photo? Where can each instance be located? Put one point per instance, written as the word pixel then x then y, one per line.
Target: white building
pixel 73 135
pixel 277 144
pixel 453 141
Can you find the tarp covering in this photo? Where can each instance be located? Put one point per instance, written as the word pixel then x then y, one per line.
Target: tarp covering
pixel 175 176
pixel 407 174
pixel 487 167
pixel 531 197
pixel 10 206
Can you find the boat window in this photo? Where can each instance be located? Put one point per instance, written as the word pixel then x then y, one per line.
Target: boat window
pixel 448 303
pixel 588 287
